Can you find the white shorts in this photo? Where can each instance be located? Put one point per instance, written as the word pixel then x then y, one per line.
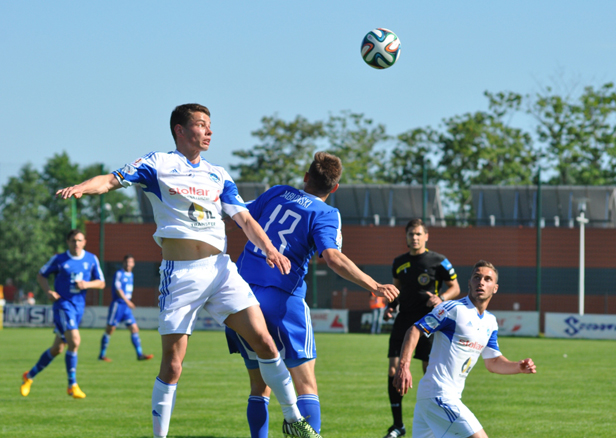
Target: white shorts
pixel 212 283
pixel 443 418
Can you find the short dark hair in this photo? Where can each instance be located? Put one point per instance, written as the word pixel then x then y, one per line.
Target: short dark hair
pixel 127 256
pixel 74 232
pixel 413 223
pixel 182 114
pixel 325 172
pixel 485 264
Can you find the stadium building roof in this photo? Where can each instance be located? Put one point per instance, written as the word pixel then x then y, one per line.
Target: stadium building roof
pixel 517 205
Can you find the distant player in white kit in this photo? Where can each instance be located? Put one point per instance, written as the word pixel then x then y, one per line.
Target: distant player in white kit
pixel 188 196
pixel 463 330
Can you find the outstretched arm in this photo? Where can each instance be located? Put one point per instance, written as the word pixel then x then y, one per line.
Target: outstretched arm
pixel 344 266
pixel 255 233
pixel 94 186
pixel 403 380
pixel 502 365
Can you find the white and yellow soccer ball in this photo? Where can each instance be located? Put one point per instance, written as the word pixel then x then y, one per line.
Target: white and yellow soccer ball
pixel 380 48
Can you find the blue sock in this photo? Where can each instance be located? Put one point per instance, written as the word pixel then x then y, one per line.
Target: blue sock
pixel 310 408
pixel 71 367
pixel 104 344
pixel 137 344
pixel 258 416
pixel 42 363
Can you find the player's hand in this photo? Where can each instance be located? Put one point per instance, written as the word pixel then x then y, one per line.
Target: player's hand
pixel 130 304
pixel 403 380
pixel 67 192
pixel 433 300
pixel 55 296
pixel 388 291
pixel 527 366
pixel 81 284
pixel 389 313
pixel 276 260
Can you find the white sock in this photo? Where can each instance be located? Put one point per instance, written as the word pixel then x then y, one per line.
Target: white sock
pixel 276 375
pixel 163 401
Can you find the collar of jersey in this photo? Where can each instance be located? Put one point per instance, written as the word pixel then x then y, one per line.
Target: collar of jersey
pixel 83 254
pixel 194 166
pixel 310 196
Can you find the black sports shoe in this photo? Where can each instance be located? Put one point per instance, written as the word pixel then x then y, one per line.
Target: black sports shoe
pixel 300 428
pixel 395 432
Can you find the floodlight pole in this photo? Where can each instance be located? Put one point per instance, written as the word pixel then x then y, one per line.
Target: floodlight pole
pixel 583 221
pixel 101 247
pixel 538 263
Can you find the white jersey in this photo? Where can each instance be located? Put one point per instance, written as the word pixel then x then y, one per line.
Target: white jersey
pixel 187 199
pixel 460 336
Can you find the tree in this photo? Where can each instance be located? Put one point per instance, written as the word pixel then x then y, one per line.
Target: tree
pixel 414 150
pixel 578 138
pixel 480 148
pixel 25 225
pixel 355 140
pixel 284 154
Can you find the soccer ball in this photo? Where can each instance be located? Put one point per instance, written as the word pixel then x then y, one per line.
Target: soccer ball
pixel 380 48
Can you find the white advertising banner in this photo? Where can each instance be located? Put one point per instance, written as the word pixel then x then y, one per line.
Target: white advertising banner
pixel 330 320
pixel 323 320
pixel 512 323
pixel 571 325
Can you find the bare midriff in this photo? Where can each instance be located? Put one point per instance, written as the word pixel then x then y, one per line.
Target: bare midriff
pixel 187 249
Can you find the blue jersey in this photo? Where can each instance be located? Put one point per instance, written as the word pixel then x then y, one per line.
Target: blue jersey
pixel 124 281
pixel 68 270
pixel 298 224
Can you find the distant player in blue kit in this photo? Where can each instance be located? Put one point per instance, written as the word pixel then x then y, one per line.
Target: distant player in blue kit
pixel 120 310
pixel 76 271
pixel 299 223
pixel 463 330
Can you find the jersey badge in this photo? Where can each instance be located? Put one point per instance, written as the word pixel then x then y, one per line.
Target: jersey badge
pixel 85 265
pixel 197 213
pixel 214 177
pixel 440 314
pixel 423 279
pixel 466 366
pixel 431 322
pixel 138 162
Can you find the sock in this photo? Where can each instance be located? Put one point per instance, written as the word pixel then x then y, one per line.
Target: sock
pixel 310 408
pixel 258 416
pixel 104 344
pixel 137 344
pixel 276 375
pixel 163 401
pixel 70 358
pixel 395 399
pixel 42 363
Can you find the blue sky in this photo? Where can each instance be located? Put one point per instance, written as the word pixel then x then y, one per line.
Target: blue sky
pixel 99 79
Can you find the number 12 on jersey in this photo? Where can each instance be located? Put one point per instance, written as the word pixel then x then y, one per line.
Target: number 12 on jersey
pixel 296 217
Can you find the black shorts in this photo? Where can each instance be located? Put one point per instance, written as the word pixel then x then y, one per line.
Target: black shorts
pixel 396 339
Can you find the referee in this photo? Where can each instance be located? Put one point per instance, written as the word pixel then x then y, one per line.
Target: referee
pixel 418 274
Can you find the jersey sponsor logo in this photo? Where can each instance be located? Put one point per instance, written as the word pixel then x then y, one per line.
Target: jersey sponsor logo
pixel 469 344
pixel 466 366
pixel 192 191
pixel 423 279
pixel 403 267
pixel 197 213
pixel 214 177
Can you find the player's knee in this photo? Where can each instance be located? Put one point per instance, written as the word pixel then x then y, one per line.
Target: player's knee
pixel 264 346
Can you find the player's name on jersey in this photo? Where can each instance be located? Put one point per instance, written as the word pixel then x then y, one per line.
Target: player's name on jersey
pixel 294 197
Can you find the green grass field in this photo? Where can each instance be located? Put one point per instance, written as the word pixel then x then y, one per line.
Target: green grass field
pixel 570 396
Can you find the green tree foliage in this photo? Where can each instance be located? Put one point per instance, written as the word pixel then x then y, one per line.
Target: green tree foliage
pixel 285 151
pixel 34 223
pixel 355 140
pixel 578 136
pixel 414 149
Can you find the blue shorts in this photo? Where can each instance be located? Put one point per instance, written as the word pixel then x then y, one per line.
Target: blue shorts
pixel 288 321
pixel 119 312
pixel 66 316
